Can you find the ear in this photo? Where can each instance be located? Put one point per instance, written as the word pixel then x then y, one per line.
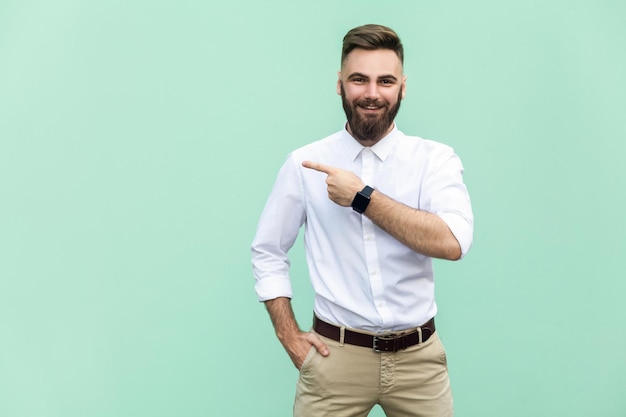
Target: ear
pixel 338 82
pixel 403 86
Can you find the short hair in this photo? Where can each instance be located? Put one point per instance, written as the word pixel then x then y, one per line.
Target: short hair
pixel 371 37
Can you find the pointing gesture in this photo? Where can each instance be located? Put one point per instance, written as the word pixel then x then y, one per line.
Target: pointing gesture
pixel 342 185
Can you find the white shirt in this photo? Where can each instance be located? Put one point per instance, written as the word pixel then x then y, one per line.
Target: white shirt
pixel 363 277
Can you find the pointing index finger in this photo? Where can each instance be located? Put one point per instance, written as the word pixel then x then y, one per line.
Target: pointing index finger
pixel 318 166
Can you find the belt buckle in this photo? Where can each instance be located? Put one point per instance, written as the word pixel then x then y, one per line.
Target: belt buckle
pixel 385 338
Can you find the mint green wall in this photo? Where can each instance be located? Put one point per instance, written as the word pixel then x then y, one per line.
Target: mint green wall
pixel 139 140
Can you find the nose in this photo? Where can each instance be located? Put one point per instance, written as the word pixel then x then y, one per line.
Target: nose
pixel 371 92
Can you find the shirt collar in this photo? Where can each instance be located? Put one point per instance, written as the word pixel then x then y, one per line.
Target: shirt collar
pixel 381 149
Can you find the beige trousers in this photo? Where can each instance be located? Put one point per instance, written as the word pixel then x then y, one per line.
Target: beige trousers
pixel 352 379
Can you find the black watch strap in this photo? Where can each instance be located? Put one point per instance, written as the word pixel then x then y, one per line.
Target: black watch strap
pixel 362 199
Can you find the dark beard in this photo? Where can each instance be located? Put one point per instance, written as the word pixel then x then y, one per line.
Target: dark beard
pixel 369 129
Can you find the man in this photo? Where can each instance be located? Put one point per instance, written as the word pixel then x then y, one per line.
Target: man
pixel 377 206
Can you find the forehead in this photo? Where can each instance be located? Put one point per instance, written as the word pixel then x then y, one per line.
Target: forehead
pixel 373 63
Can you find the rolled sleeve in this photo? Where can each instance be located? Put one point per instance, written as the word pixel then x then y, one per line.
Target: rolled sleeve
pixel 277 231
pixel 446 195
pixel 273 287
pixel 461 228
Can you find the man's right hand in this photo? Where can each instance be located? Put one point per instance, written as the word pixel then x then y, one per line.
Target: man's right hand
pixel 299 346
pixel 296 342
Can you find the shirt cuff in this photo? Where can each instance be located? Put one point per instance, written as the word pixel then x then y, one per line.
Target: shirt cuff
pixel 270 288
pixel 461 228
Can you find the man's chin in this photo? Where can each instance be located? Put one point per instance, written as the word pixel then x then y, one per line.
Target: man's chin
pixel 369 119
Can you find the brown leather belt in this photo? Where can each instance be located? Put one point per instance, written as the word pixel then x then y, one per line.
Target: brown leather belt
pixel 391 342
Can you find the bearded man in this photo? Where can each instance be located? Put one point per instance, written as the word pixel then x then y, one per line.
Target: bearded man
pixel 377 206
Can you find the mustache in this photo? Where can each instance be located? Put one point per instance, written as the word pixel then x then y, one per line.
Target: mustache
pixel 369 102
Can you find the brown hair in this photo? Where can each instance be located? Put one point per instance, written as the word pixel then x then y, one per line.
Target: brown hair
pixel 372 37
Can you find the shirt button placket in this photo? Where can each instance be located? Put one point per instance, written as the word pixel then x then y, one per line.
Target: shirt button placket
pixel 368 165
pixel 371 252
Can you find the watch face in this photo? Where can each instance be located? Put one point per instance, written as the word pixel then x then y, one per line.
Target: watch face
pixel 360 202
pixel 362 199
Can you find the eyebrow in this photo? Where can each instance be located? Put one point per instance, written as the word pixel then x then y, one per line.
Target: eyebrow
pixel 382 77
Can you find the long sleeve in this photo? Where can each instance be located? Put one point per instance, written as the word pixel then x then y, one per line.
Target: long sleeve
pixel 445 194
pixel 278 228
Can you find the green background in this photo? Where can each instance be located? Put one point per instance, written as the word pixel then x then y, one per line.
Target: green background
pixel 139 141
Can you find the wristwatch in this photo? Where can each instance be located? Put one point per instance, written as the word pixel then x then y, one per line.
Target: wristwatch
pixel 362 199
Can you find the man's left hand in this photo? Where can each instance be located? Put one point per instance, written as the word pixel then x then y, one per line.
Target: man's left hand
pixel 342 185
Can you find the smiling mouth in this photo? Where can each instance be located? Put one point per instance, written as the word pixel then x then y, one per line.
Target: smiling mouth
pixel 370 108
